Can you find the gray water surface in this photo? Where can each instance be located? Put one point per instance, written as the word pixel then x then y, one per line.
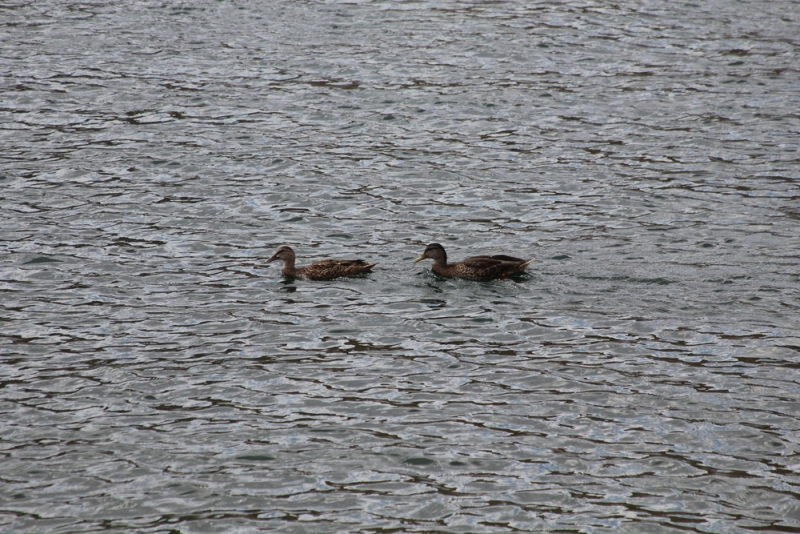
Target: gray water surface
pixel 157 376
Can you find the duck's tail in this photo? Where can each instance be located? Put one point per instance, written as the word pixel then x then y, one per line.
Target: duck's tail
pixel 525 264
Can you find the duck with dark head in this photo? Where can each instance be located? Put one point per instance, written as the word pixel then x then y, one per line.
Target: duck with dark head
pixel 319 270
pixel 474 268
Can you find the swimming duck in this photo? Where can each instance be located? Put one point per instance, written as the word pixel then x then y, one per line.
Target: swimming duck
pixel 474 268
pixel 320 270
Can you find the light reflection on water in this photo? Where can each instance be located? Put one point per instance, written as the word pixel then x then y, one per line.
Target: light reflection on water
pixel 158 375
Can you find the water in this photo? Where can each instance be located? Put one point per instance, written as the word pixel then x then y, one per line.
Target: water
pixel 158 376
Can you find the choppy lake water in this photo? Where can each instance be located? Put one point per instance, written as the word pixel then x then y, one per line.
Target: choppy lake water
pixel 158 376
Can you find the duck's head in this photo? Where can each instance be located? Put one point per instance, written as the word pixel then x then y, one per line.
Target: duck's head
pixel 283 253
pixel 435 252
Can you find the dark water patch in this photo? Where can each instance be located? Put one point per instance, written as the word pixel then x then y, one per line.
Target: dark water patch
pixel 42 259
pixel 256 458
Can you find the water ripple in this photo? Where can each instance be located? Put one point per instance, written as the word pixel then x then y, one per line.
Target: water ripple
pixel 158 375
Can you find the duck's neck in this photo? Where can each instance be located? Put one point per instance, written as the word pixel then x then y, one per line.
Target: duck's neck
pixel 441 260
pixel 288 267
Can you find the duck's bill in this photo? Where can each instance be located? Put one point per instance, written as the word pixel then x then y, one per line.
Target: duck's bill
pixel 421 257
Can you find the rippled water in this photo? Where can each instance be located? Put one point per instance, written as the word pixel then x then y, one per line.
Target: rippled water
pixel 158 376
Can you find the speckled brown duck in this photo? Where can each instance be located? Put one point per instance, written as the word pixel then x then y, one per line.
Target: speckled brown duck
pixel 474 268
pixel 319 270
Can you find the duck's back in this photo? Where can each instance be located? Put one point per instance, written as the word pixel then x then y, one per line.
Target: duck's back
pixel 484 267
pixel 330 269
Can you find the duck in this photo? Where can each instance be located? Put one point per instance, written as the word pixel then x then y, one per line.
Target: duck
pixel 474 268
pixel 319 270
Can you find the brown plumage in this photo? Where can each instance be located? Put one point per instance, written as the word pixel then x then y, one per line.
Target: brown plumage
pixel 320 270
pixel 474 268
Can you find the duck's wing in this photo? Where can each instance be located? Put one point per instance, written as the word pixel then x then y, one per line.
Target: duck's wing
pixel 328 269
pixel 503 257
pixel 482 262
pixel 332 264
pixel 479 268
pixel 518 264
pixel 494 266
